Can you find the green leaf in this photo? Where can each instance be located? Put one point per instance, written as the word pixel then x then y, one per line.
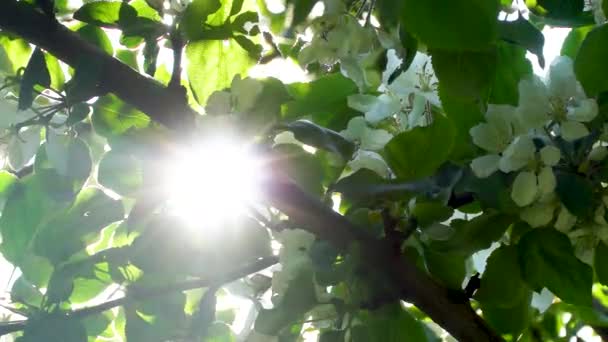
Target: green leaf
pixel 392 323
pixel 105 13
pixel 121 172
pixel 298 299
pixel 157 319
pixel 599 262
pixel 448 268
pixel 97 324
pixel 593 52
pixel 575 192
pixel 70 157
pixel 151 51
pixel 325 99
pixel 77 226
pixel 465 74
pixel 195 16
pixel 544 254
pixel 474 28
pixel 55 72
pixel 97 37
pixel 304 168
pixel 511 67
pixel 511 320
pixel 254 50
pixel 8 182
pixel 36 73
pixel 557 9
pixel 474 235
pixel 523 33
pixel 502 284
pixel 420 152
pixel 574 40
pixel 25 292
pixel 27 208
pixel 427 213
pixel 54 328
pixel 213 64
pixel 320 137
pixel 14 54
pixel 112 117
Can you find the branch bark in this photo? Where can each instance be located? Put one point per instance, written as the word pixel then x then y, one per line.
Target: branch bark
pixel 144 93
pixel 163 106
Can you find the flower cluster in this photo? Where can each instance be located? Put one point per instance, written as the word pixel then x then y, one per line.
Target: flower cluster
pixel 528 140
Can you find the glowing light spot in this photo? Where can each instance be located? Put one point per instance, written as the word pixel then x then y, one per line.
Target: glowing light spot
pixel 213 182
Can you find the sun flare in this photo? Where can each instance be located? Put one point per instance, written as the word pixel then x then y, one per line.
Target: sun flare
pixel 213 182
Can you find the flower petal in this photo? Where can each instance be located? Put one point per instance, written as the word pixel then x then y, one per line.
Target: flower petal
pixel 502 117
pixel 585 111
pixel 355 129
pixel 485 136
pixel 374 139
pixel 534 106
pixel 486 165
pixel 565 220
pixel 518 154
pixel 369 160
pixel 550 155
pixel 572 130
pixel 525 188
pixel 561 80
pixel 546 181
pixel 538 215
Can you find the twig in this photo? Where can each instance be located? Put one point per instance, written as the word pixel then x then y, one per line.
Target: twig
pixel 135 293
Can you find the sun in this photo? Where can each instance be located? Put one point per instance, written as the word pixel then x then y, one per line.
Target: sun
pixel 213 182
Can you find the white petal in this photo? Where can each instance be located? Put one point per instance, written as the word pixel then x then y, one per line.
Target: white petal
pixel 355 129
pixel 485 136
pixel 22 148
pixel 561 80
pixel 572 130
pixel 361 102
pixel 550 155
pixel 565 220
pixel 534 107
pixel 538 215
pixel 245 93
pixel 598 153
pixel 369 160
pixel 518 154
pixel 219 103
pixel 501 117
pixel 375 108
pixel 585 111
pixel 486 165
pixel 546 181
pixel 525 188
pixel 415 117
pixel 375 139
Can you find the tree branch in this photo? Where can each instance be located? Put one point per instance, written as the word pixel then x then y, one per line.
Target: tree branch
pixel 414 286
pixel 165 107
pixel 136 294
pixel 144 93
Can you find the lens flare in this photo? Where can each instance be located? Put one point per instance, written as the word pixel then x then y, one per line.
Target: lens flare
pixel 213 182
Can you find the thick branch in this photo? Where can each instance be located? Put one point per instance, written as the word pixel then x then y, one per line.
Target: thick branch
pixel 145 293
pixel 414 286
pixel 170 109
pixel 132 87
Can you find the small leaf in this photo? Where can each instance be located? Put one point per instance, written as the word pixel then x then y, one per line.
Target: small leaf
pixel 195 16
pixel 420 152
pixel 523 33
pixel 574 40
pixel 54 328
pixel 105 13
pixel 502 284
pixel 575 192
pixel 97 37
pixel 321 137
pixel 151 50
pixel 120 172
pixel 69 156
pixel 544 254
pixel 36 73
pixel 23 146
pixel 599 262
pixel 112 117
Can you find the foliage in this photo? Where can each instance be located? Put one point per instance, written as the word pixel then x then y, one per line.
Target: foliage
pixel 421 122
